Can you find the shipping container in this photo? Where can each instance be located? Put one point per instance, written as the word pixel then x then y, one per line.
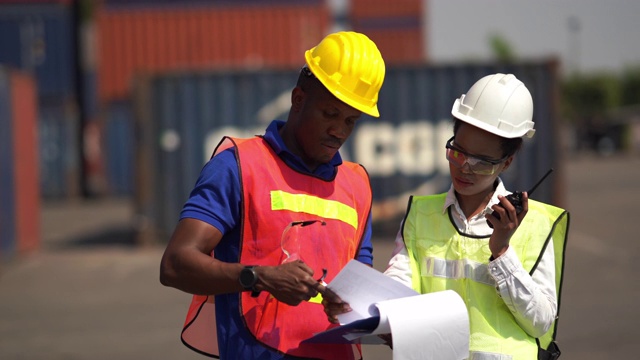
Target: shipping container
pixel 203 35
pixel 21 2
pixel 112 4
pixel 182 116
pixel 60 150
pixel 7 200
pixel 39 38
pixel 19 170
pixel 398 46
pixel 397 27
pixel 117 143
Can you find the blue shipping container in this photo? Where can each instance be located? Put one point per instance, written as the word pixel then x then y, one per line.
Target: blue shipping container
pixel 7 200
pixel 185 115
pixel 39 39
pixel 119 147
pixel 59 150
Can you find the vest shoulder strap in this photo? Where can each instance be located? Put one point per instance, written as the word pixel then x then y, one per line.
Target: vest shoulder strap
pixel 228 142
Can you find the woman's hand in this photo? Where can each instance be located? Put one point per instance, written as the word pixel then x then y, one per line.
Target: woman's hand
pixel 506 225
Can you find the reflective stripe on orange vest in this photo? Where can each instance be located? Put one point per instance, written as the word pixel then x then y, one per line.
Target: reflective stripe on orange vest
pixel 314 205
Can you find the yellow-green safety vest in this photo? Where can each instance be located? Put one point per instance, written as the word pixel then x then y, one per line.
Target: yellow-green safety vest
pixel 443 258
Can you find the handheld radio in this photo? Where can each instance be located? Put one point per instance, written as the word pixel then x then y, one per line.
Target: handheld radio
pixel 515 198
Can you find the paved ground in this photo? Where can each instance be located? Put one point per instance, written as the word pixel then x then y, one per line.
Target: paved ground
pixel 90 293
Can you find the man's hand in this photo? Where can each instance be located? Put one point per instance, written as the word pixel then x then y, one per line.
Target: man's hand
pixel 290 283
pixel 333 305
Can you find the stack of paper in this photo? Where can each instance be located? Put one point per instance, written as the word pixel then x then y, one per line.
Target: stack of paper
pixel 428 326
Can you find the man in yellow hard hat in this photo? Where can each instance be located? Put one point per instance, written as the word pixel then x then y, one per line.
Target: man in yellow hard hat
pixel 270 214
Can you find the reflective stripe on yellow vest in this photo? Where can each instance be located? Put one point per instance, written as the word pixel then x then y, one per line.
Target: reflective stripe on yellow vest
pixel 271 201
pixel 442 258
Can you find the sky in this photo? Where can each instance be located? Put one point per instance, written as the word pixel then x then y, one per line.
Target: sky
pixel 604 34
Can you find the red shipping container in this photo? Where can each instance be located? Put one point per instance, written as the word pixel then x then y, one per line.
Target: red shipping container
pixel 26 162
pixel 399 46
pixel 395 26
pixel 144 39
pixel 19 164
pixel 385 8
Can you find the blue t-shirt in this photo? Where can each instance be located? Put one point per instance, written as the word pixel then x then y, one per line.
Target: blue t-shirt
pixel 216 199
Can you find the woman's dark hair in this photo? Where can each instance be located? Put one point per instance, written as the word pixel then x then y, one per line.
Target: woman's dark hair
pixel 509 146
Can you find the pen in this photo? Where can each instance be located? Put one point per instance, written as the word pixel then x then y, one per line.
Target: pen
pixel 321 280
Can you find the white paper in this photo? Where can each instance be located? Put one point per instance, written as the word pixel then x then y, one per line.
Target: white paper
pixel 428 326
pixel 361 287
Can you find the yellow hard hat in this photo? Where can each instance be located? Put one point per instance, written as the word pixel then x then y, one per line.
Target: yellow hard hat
pixel 351 67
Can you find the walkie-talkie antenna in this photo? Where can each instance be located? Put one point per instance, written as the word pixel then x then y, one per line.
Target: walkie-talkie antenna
pixel 515 198
pixel 539 181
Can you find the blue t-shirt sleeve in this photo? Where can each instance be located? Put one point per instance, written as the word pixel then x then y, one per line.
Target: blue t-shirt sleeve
pixel 216 196
pixel 365 255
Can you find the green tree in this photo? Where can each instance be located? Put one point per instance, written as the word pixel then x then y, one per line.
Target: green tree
pixel 502 50
pixel 630 86
pixel 586 98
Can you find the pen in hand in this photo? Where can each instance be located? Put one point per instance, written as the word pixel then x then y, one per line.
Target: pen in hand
pixel 321 280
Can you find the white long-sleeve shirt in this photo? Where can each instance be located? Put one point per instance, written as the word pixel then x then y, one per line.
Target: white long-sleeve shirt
pixel 531 299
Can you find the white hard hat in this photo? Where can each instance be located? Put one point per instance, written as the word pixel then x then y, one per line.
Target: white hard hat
pixel 499 104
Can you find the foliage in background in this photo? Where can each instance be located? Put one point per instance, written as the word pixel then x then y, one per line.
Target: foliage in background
pixel 501 48
pixel 586 98
pixel 595 94
pixel 630 86
pixel 601 107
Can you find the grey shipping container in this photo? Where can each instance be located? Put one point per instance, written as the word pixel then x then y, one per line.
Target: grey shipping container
pixel 39 38
pixel 182 116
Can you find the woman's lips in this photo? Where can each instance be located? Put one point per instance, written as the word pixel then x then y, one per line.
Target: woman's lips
pixel 463 182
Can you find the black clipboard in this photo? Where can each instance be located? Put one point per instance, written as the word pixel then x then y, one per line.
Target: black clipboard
pixel 351 333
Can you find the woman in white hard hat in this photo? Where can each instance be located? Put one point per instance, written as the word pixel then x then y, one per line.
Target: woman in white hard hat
pixel 507 268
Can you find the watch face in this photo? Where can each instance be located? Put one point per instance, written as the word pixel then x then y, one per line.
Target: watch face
pixel 248 277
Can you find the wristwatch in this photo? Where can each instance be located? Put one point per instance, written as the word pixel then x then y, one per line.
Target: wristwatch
pixel 248 279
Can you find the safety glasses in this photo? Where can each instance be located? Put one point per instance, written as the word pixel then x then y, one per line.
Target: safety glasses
pixel 290 237
pixel 290 245
pixel 477 164
pixel 307 72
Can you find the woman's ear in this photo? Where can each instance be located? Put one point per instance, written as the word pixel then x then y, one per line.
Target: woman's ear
pixel 508 162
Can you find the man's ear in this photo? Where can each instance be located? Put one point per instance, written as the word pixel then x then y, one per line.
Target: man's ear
pixel 297 98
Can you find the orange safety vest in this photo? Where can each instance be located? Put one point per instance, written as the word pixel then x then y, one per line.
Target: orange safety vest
pixel 274 196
